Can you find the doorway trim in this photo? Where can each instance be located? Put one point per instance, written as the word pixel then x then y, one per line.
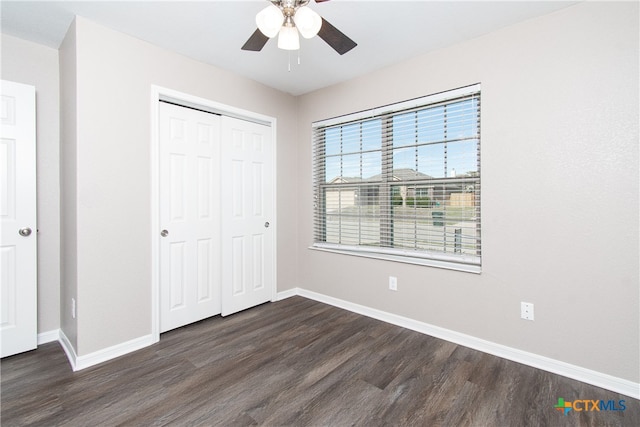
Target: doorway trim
pixel 158 94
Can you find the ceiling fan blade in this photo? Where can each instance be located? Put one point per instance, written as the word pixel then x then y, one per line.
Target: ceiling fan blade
pixel 335 38
pixel 256 42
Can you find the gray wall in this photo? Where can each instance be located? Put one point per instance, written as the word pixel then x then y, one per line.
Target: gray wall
pixel 69 182
pixel 37 65
pixel 114 74
pixel 559 190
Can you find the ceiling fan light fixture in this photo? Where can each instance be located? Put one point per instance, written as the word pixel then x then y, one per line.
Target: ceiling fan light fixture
pixel 288 17
pixel 307 21
pixel 269 20
pixel 288 38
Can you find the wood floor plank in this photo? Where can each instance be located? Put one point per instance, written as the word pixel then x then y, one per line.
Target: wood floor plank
pixel 296 362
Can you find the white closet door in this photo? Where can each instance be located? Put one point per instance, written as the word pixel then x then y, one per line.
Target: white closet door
pixel 247 213
pixel 189 216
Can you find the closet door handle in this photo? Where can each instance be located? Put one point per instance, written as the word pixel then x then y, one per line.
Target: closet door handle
pixel 164 233
pixel 24 232
pixel 266 224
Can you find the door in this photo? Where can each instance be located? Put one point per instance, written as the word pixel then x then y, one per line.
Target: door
pixel 18 274
pixel 189 216
pixel 247 234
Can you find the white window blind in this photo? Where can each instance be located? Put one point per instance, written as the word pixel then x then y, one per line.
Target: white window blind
pixel 402 181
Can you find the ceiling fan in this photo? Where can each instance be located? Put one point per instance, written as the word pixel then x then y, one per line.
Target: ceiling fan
pixel 288 17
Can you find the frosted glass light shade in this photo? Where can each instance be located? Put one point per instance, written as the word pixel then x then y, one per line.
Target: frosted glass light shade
pixel 307 21
pixel 269 20
pixel 288 38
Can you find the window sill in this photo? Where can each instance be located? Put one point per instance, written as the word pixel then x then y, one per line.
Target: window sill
pixel 448 265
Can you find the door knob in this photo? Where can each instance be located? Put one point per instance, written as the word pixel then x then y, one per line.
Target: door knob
pixel 164 233
pixel 25 232
pixel 266 224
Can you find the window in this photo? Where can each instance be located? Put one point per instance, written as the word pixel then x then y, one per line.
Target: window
pixel 402 182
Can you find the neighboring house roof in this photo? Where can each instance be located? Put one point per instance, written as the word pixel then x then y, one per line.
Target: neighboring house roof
pixel 346 180
pixel 402 175
pixel 398 175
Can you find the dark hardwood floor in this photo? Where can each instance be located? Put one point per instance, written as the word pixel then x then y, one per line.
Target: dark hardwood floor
pixel 296 362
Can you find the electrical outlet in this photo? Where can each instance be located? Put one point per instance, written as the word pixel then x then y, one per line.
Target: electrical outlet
pixel 526 310
pixel 73 308
pixel 393 283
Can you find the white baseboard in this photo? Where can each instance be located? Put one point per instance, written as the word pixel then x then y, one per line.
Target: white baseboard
pixel 68 349
pixel 287 294
pixel 599 379
pixel 49 336
pixel 91 359
pixel 109 353
pixel 81 362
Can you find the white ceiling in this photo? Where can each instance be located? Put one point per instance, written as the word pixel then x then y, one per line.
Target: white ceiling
pixel 213 31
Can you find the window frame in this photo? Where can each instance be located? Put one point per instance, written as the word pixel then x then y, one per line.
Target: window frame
pixel 458 261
